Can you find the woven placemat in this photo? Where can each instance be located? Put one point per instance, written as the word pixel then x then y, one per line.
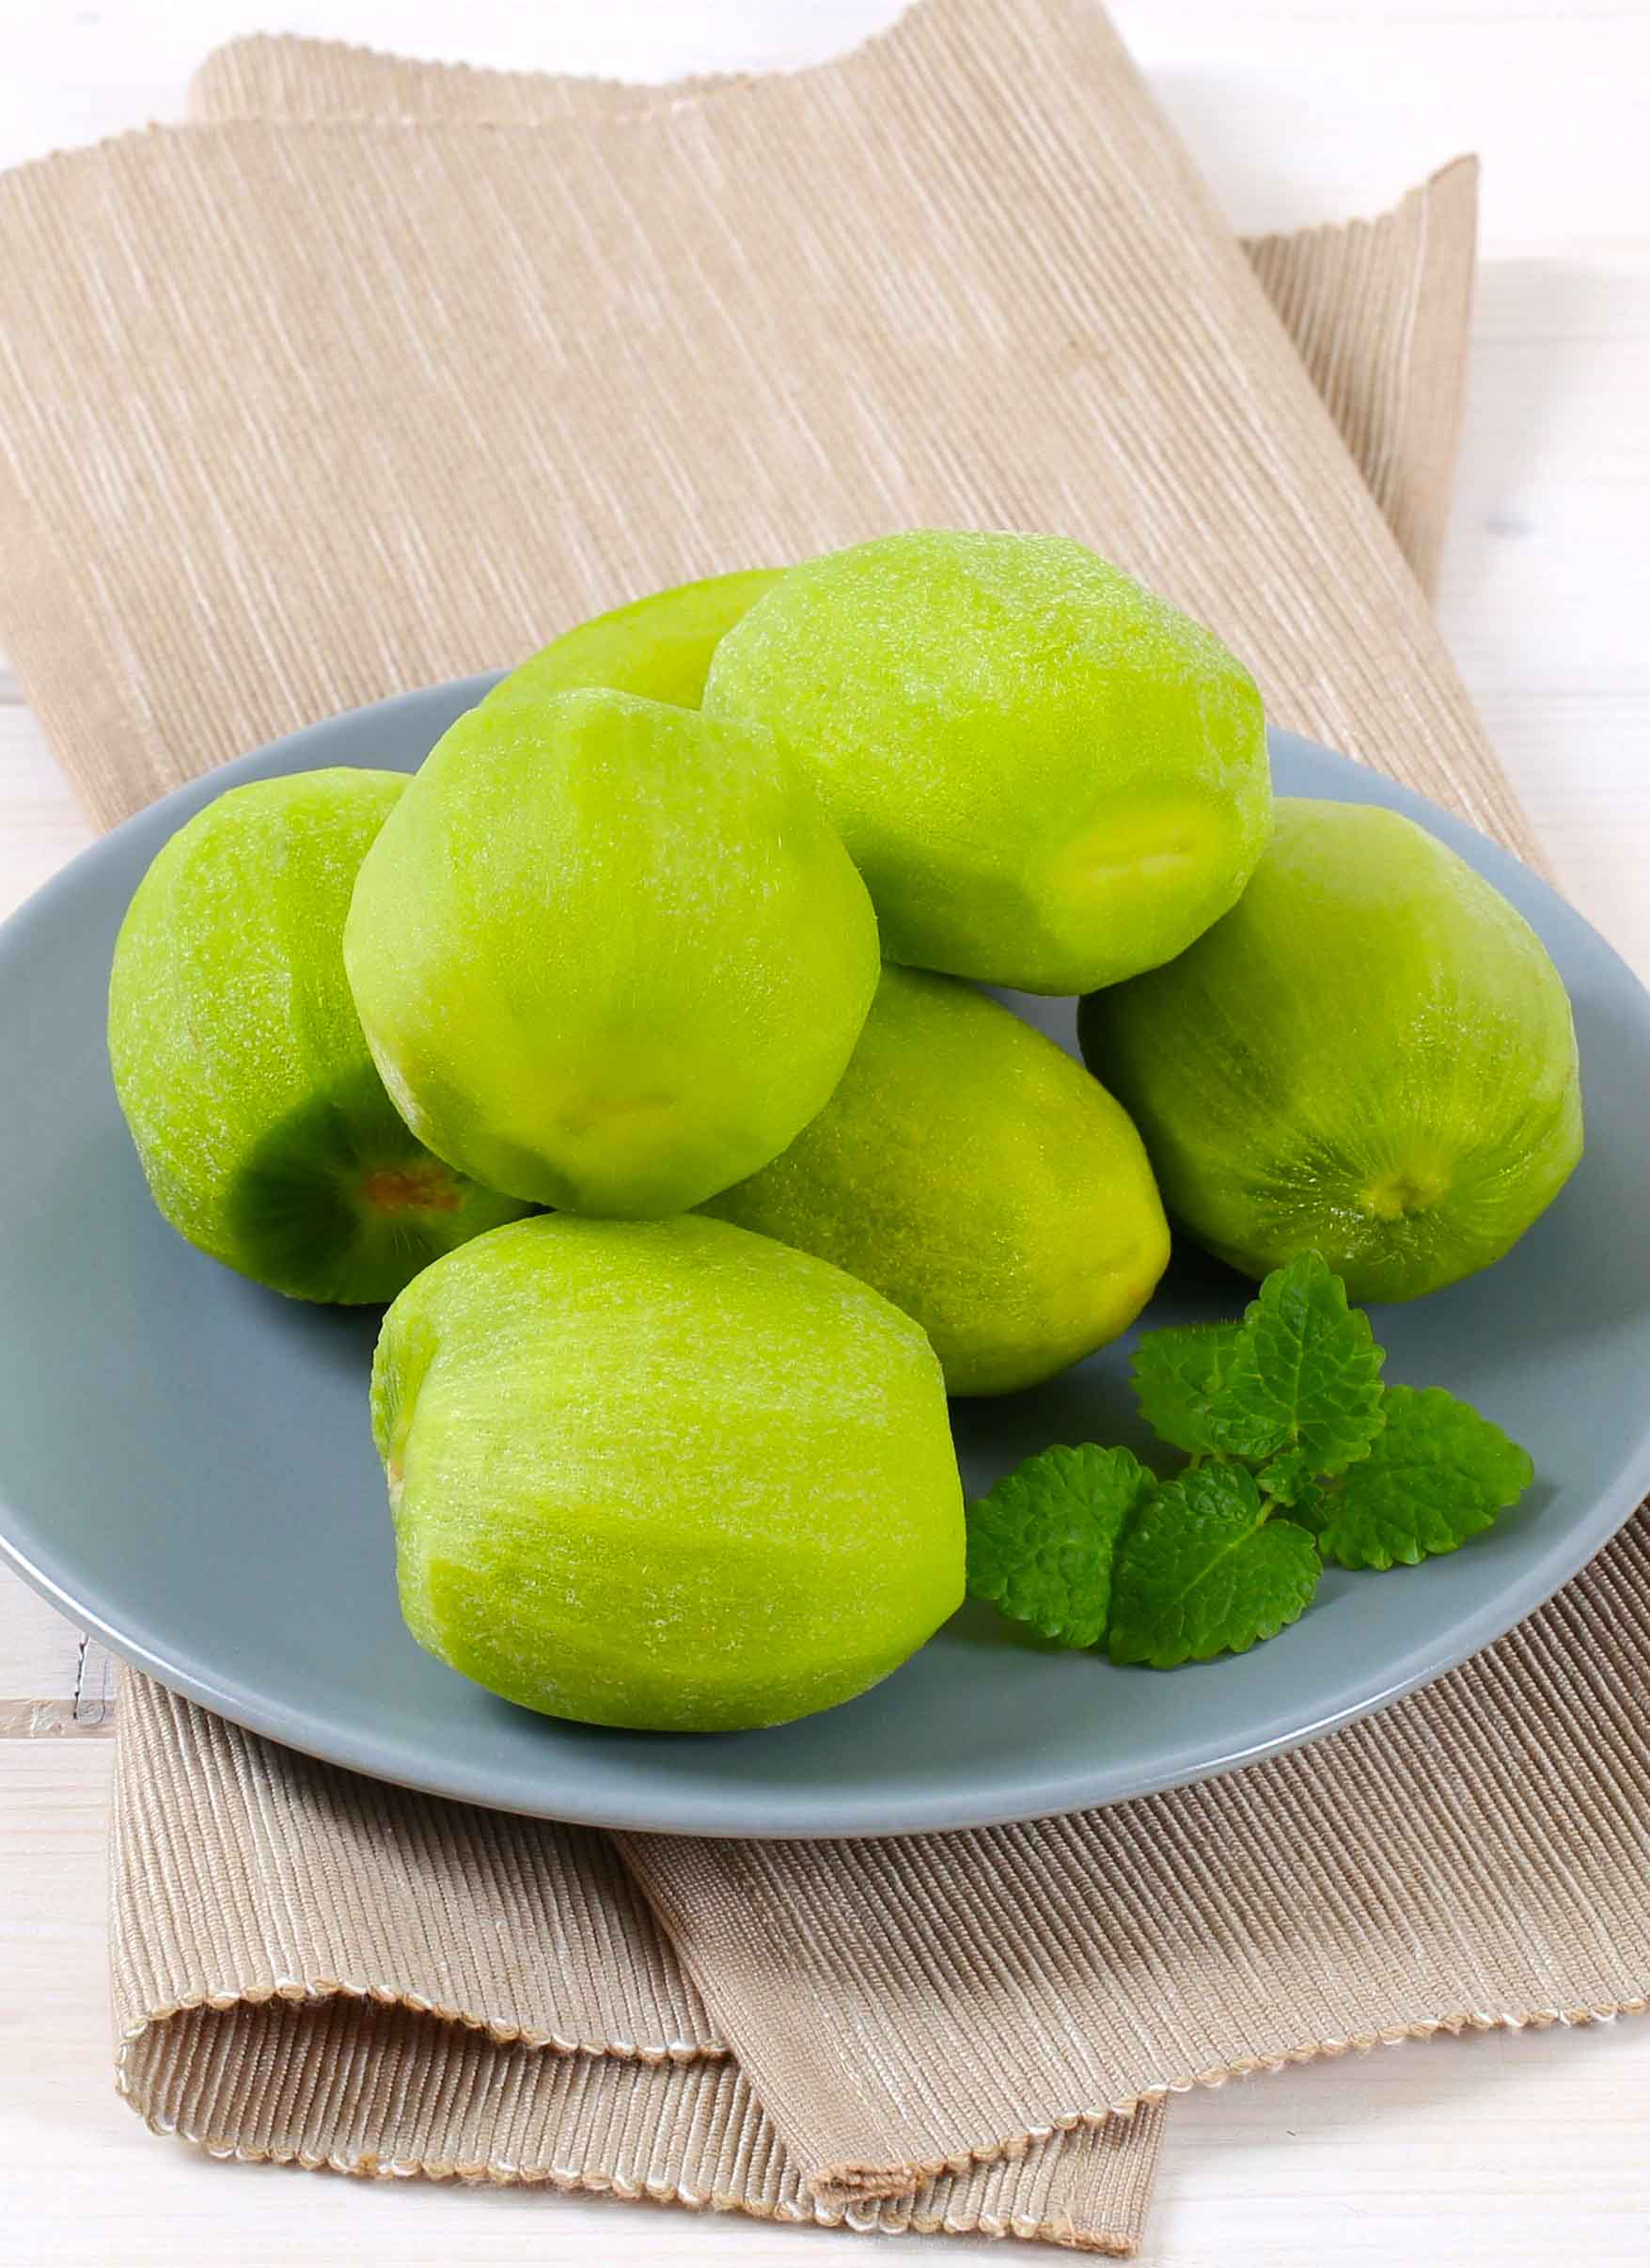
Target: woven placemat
pixel 622 354
pixel 1377 309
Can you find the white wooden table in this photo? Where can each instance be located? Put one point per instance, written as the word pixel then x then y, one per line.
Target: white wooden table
pixel 1499 2147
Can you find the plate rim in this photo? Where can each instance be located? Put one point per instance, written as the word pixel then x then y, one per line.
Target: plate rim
pixel 722 1812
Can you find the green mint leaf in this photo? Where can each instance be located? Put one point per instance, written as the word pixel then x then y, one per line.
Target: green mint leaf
pixel 1437 1473
pixel 1303 1385
pixel 1290 1477
pixel 1202 1571
pixel 1178 1375
pixel 1041 1544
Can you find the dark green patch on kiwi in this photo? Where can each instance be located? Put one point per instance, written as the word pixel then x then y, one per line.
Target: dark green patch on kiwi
pixel 340 1201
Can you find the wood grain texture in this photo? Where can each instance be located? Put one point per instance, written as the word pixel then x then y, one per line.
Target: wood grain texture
pixel 1510 2150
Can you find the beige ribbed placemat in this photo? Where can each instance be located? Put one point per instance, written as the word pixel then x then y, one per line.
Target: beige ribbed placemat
pixel 1379 312
pixel 1478 1856
pixel 1377 309
pixel 310 1967
pixel 209 531
pixel 622 355
pixel 285 76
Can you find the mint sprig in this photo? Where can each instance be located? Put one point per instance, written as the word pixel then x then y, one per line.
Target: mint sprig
pixel 1298 1456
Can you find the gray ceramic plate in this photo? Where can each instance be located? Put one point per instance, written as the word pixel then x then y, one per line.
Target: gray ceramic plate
pixel 184 1461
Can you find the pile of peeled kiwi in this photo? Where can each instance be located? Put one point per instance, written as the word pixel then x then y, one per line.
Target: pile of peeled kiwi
pixel 639 1048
